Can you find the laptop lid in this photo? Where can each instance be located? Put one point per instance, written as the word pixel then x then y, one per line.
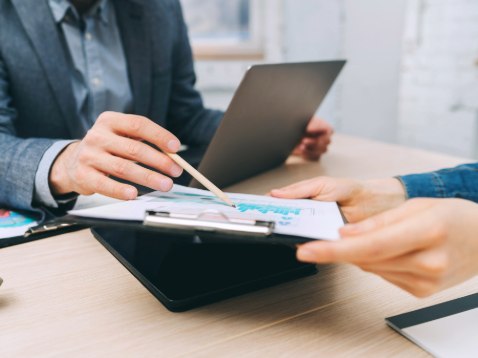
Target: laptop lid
pixel 266 119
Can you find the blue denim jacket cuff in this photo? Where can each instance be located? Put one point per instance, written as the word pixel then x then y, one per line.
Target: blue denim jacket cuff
pixel 422 185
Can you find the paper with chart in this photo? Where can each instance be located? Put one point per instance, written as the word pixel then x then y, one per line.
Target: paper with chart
pixel 306 218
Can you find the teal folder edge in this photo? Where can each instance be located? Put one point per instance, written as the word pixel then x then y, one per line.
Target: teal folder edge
pixel 432 313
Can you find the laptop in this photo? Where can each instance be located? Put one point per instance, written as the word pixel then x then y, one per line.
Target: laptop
pixel 266 119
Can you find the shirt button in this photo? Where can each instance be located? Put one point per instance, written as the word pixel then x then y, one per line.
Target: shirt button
pixel 96 81
pixel 88 36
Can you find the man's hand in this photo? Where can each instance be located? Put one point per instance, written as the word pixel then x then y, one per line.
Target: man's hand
pixel 315 140
pixel 358 200
pixel 423 246
pixel 110 148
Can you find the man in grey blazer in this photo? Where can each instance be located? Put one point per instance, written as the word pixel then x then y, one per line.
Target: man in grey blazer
pixel 116 73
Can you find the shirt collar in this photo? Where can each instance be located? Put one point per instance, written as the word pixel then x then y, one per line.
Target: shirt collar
pixel 60 8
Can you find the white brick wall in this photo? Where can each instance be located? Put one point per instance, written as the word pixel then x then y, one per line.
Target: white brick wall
pixel 412 74
pixel 438 98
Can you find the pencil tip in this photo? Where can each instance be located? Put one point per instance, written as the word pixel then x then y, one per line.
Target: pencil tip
pixel 233 206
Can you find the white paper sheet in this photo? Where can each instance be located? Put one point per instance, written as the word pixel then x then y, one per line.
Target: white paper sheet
pixel 306 218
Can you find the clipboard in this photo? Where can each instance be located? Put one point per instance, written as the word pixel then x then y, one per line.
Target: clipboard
pixel 196 227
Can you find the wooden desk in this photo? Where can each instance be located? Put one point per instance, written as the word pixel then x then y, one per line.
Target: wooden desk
pixel 68 297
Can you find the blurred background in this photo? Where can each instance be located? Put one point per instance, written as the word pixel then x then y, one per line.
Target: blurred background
pixel 412 72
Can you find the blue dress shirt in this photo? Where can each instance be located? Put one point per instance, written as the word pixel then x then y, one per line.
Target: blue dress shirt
pixel 98 74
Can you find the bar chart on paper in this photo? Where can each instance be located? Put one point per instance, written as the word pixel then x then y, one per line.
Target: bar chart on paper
pixel 265 209
pixel 257 207
pixel 306 218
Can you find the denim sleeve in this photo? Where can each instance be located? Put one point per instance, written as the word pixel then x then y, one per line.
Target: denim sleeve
pixel 43 193
pixel 459 182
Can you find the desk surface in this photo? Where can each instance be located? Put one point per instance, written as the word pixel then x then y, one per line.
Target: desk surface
pixel 68 297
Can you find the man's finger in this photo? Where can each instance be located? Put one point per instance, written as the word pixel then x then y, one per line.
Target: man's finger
pixel 392 241
pixel 126 169
pixel 103 185
pixel 313 154
pixel 140 127
pixel 143 153
pixel 318 126
pixel 309 143
pixel 387 218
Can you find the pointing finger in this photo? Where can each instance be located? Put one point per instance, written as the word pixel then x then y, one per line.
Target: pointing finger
pixel 140 127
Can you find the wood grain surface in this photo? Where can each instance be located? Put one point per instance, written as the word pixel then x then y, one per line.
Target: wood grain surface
pixel 68 297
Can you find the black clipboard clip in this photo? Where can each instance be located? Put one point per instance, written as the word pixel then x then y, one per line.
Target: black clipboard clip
pixel 208 221
pixel 45 228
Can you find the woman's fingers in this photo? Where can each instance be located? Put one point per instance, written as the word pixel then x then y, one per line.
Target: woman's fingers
pixel 385 243
pixel 321 188
pixel 417 285
pixel 433 263
pixel 386 218
pixel 304 189
pixel 404 286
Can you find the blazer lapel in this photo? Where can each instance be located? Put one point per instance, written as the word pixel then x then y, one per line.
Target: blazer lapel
pixel 40 26
pixel 137 46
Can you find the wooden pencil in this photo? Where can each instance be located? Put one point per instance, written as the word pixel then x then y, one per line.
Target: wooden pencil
pixel 200 178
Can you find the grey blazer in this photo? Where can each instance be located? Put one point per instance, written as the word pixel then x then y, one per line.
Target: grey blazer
pixel 32 47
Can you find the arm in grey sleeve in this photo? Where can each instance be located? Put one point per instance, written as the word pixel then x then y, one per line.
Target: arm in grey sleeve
pixel 43 193
pixel 19 157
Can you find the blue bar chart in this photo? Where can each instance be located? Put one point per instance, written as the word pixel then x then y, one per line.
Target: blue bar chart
pixel 265 209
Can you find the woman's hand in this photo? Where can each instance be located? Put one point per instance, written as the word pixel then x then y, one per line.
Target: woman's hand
pixel 358 200
pixel 423 246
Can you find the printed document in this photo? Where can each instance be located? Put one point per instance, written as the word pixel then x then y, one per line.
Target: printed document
pixel 305 218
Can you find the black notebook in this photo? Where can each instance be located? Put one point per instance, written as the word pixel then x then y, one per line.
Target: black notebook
pixel 446 330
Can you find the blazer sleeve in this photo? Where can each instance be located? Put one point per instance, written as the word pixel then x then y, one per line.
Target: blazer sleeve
pixel 19 157
pixel 187 117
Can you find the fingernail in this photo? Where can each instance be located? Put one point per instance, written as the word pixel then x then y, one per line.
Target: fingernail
pixel 176 170
pixel 165 184
pixel 173 145
pixel 350 229
pixel 305 255
pixel 130 193
pixel 276 192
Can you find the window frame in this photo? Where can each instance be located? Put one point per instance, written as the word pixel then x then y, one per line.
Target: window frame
pixel 220 49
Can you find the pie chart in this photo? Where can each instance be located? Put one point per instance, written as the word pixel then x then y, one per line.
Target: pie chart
pixel 10 219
